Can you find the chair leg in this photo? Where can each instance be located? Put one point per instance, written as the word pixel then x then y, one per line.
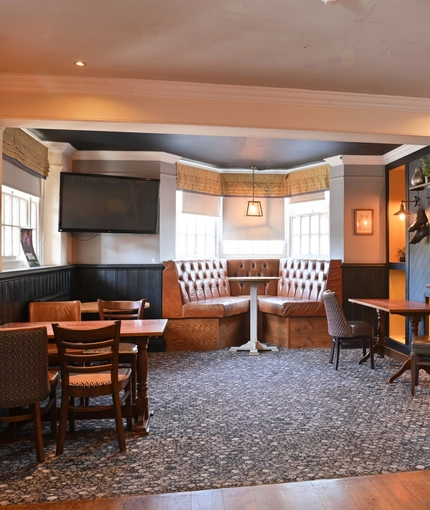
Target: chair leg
pixel 64 411
pixel 118 421
pixel 332 350
pixel 134 379
pixel 337 352
pixel 372 353
pixel 53 416
pixel 129 409
pixel 71 415
pixel 364 346
pixel 37 423
pixel 414 373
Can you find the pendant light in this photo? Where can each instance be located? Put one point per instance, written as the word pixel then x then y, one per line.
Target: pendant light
pixel 254 207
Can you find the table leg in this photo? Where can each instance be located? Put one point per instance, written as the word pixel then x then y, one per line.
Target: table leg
pixel 415 321
pixel 380 334
pixel 253 345
pixel 142 413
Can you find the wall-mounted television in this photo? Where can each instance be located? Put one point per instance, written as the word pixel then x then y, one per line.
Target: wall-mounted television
pixel 106 203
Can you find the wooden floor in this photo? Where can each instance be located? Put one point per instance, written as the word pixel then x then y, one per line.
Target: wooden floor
pixel 401 491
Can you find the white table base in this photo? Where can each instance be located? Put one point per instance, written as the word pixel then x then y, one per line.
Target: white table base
pixel 253 345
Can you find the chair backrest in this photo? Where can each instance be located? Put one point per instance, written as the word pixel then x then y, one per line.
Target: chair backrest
pixel 52 311
pixel 338 325
pixel 100 346
pixel 121 309
pixel 23 366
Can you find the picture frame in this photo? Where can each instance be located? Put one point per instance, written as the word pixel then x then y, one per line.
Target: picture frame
pixel 363 222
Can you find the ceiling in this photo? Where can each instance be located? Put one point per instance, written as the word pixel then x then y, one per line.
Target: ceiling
pixel 354 46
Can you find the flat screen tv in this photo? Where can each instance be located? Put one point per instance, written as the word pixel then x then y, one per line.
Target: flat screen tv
pixel 106 203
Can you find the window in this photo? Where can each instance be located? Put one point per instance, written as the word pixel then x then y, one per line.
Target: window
pixel 19 210
pixel 196 236
pixel 309 235
pixel 309 228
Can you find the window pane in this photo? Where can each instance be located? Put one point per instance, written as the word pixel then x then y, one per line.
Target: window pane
pixel 314 250
pixel 315 224
pixel 7 209
pixel 304 244
pixel 304 225
pixel 15 211
pixel 23 213
pixel 7 241
pixel 324 228
pixel 295 225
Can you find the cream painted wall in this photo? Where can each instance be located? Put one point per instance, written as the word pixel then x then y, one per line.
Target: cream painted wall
pixel 365 189
pixel 354 185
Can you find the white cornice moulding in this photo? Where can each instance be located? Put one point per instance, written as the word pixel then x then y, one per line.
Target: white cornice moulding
pixel 48 84
pixel 126 156
pixel 61 147
pixel 347 159
pixel 402 152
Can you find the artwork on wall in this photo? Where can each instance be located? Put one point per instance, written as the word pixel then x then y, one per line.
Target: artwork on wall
pixel 363 222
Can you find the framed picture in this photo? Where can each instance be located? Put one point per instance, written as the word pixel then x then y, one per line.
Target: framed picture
pixel 363 222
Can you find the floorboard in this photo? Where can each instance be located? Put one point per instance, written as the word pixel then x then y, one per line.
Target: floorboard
pixel 403 491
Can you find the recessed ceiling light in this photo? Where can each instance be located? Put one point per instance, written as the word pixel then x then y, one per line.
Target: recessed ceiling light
pixel 79 63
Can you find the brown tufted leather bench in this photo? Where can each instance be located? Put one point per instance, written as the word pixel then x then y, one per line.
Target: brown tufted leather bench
pixel 295 316
pixel 207 312
pixel 202 313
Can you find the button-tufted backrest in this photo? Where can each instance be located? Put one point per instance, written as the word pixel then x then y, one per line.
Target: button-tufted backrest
pixel 202 279
pixel 253 267
pixel 303 278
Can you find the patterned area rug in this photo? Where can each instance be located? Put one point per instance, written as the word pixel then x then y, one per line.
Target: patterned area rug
pixel 226 419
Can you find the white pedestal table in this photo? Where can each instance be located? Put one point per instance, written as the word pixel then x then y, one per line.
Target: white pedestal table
pixel 253 345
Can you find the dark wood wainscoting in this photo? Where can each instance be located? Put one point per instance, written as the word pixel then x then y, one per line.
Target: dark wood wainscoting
pixel 84 282
pixel 113 282
pixel 18 288
pixel 363 281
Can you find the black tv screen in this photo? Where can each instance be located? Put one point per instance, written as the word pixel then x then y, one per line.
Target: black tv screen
pixel 105 203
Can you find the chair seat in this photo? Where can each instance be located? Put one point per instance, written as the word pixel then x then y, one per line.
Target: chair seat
pixel 361 328
pixel 420 345
pixel 97 380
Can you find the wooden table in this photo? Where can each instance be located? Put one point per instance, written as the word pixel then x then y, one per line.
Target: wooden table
pixel 414 310
pixel 140 331
pixel 93 307
pixel 253 345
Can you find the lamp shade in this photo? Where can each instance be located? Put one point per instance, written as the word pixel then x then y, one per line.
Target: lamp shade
pixel 254 208
pixel 402 212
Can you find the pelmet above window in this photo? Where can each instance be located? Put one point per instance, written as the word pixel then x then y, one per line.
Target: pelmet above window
pixel 22 149
pixel 200 180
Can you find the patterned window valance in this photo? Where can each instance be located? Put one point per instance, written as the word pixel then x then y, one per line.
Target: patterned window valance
pixel 27 152
pixel 191 178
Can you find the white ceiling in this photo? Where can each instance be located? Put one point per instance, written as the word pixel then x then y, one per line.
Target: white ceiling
pixel 355 46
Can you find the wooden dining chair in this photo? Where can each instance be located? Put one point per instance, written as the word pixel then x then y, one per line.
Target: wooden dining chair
pixel 124 310
pixel 343 331
pixel 27 388
pixel 98 376
pixel 54 311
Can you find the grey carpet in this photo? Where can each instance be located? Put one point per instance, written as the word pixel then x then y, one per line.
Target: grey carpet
pixel 226 419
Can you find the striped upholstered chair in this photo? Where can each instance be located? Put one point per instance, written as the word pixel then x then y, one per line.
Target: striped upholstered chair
pixel 27 389
pixel 343 331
